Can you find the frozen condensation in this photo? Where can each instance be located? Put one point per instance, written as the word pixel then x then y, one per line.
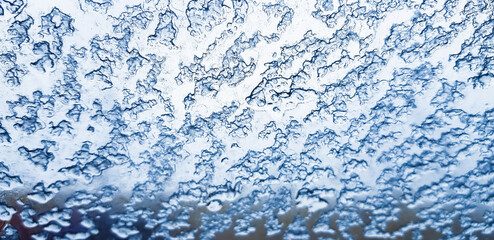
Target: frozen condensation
pixel 242 119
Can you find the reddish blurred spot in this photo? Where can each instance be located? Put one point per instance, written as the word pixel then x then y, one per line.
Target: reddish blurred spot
pixel 2 225
pixel 16 222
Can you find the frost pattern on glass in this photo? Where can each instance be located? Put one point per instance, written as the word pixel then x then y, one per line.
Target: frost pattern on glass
pixel 241 119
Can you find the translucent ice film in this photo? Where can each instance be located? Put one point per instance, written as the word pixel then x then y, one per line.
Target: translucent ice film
pixel 243 119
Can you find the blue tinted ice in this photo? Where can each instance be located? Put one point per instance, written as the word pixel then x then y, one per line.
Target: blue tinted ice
pixel 241 119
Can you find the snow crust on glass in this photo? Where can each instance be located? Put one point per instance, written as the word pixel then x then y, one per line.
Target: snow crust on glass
pixel 241 119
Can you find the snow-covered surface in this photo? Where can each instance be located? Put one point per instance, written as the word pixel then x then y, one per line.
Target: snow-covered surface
pixel 229 119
